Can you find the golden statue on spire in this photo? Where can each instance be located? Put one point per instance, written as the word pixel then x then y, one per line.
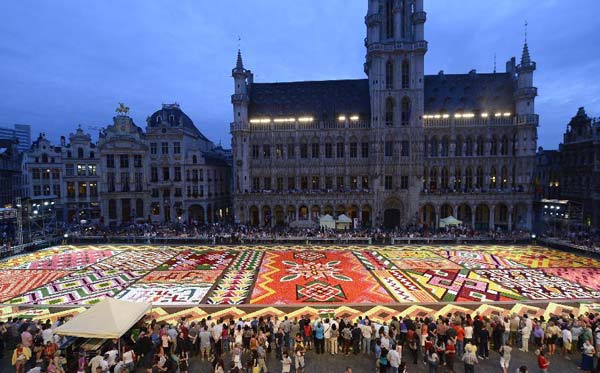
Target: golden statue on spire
pixel 122 109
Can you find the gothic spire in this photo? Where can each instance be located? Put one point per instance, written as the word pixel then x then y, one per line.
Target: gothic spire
pixel 525 59
pixel 239 64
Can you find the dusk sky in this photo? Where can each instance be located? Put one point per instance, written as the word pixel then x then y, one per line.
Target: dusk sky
pixel 66 63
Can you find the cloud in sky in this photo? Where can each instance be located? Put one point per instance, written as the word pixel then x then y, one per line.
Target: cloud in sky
pixel 66 63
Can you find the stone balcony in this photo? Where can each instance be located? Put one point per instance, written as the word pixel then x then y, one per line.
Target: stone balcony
pixel 452 122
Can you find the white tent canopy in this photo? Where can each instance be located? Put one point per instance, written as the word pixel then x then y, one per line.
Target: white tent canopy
pixel 326 221
pixel 109 319
pixel 448 221
pixel 344 219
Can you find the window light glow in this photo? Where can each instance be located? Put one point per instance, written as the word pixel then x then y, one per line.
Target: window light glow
pixel 484 115
pixel 458 115
pixel 354 117
pixel 497 114
pixel 468 115
pixel 437 116
pixel 507 114
pixel 342 118
pixel 446 116
pixel 305 119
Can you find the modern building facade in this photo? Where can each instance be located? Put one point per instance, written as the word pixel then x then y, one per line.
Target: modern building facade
pixel 20 132
pixel 395 149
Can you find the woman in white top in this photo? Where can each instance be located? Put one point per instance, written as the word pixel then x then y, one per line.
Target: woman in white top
pixel 468 333
pixel 505 351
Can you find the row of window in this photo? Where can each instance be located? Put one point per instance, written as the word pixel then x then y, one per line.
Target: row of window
pixel 314 183
pixel 82 188
pixel 45 174
pixel 138 182
pixel 164 148
pixel 468 147
pixel 434 179
pixel 330 149
pixel 123 160
pixel 80 154
pixel 46 190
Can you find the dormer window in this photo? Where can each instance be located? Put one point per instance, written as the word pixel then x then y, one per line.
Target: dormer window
pixel 158 119
pixel 172 119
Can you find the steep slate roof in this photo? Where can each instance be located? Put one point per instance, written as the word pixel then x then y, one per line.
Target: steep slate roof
pixel 469 92
pixel 327 99
pixel 324 100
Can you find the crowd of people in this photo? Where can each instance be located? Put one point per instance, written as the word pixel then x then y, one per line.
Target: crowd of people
pixel 272 344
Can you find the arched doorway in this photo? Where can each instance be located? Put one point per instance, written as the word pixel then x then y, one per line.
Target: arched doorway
pixel 428 216
pixel 291 213
pixel 366 216
pixel 341 209
pixel 501 216
pixel 353 212
pixel 196 214
pixel 303 213
pixel 279 215
pixel 254 218
pixel 315 212
pixel 392 215
pixel 464 214
pixel 519 219
pixel 482 217
pixel 446 211
pixel 328 210
pixel 266 210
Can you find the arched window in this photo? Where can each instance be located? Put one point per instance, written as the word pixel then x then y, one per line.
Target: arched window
pixel 112 209
pixel 480 145
pixel 433 179
pixel 469 147
pixel 444 178
pixel 44 158
pixel 171 119
pixel 494 146
pixel 405 111
pixel 493 178
pixel 405 74
pixel 158 119
pixel 80 153
pixel 469 178
pixel 445 146
pixel 457 178
pixel 504 178
pixel 389 75
pixel 425 178
pixel 91 154
pixel 389 111
pixel 458 147
pixel 389 19
pixel 479 182
pixel 194 159
pixel 504 146
pixel 434 147
pixel 425 146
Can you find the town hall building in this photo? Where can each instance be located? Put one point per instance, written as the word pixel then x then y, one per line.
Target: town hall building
pixel 395 149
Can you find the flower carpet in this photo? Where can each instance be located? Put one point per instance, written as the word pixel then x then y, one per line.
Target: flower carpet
pixel 298 276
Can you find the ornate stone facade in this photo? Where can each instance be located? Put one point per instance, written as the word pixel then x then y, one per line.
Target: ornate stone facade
pixel 580 166
pixel 395 149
